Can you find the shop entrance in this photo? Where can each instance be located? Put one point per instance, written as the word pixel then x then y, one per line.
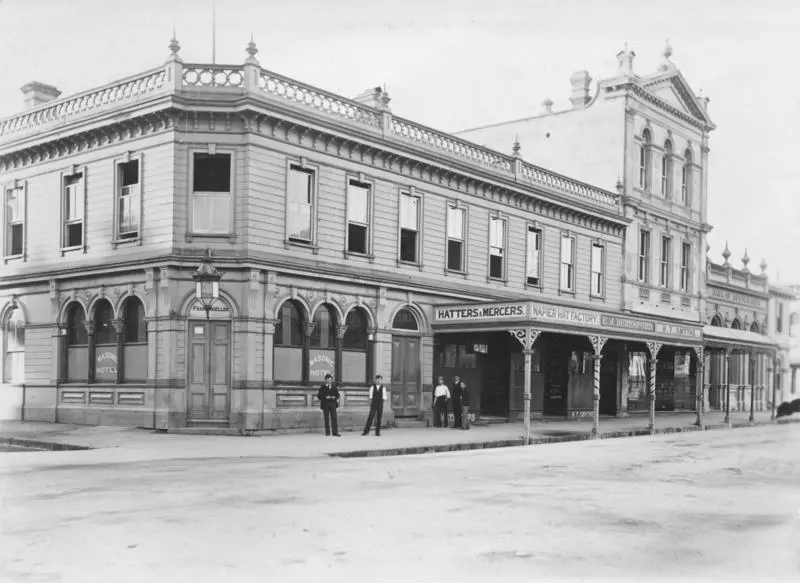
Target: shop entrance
pixel 405 376
pixel 556 380
pixel 609 373
pixel 209 370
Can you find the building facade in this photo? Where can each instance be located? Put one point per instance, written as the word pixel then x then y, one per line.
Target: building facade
pixel 782 327
pixel 339 229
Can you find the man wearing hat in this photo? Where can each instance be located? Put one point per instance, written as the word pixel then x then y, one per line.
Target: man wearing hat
pixel 328 396
pixel 377 395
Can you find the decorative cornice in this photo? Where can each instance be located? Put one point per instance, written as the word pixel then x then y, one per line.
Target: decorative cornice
pixel 700 124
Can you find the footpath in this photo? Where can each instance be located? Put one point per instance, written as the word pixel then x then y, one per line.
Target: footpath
pixel 129 444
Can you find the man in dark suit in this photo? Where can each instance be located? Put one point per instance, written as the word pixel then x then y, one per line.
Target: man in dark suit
pixel 377 395
pixel 455 400
pixel 328 396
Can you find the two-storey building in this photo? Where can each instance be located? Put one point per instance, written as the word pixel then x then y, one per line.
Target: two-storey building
pixel 646 135
pixel 782 328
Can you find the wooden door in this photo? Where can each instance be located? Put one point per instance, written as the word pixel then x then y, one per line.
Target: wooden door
pixel 209 370
pixel 556 381
pixel 406 377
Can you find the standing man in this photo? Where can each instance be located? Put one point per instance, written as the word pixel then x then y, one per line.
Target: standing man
pixel 328 396
pixel 464 406
pixel 441 394
pixel 377 395
pixel 455 396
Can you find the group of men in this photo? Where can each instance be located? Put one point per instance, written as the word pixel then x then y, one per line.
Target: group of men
pixel 458 397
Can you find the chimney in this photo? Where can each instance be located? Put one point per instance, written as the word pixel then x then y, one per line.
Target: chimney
pixel 580 89
pixel 547 106
pixel 370 97
pixel 37 93
pixel 625 61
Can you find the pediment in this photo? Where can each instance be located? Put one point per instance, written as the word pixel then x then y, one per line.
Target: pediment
pixel 673 89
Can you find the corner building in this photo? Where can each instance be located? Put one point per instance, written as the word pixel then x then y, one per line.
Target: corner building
pixel 350 241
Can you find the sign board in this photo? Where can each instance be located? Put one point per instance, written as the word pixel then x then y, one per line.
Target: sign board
pixel 737 298
pixel 478 313
pixel 563 314
pixel 106 366
pixel 320 364
pixel 219 310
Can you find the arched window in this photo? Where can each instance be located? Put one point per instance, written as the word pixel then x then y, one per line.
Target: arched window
pixel 355 345
pixel 14 349
pixel 716 321
pixel 754 327
pixel 645 165
pixel 104 331
pixel 686 177
pixel 134 351
pixel 324 333
pixel 104 352
pixel 289 327
pixel 77 367
pixel 405 320
pixel 736 324
pixel 290 358
pixel 666 171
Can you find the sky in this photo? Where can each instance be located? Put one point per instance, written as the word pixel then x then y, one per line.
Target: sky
pixel 456 64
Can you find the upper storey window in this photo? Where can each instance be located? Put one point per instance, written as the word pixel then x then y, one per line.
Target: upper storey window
pixel 15 208
pixel 645 161
pixel 212 200
pixel 666 171
pixel 73 211
pixel 128 200
pixel 686 177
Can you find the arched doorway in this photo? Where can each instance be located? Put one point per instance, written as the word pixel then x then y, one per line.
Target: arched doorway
pixel 406 368
pixel 209 362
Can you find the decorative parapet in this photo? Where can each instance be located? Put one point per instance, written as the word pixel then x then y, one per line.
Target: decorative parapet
pixel 109 96
pixel 195 78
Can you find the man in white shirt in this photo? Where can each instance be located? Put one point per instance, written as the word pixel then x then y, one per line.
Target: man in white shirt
pixel 441 395
pixel 377 395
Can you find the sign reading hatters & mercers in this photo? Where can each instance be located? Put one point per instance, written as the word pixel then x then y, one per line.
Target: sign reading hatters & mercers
pixel 562 315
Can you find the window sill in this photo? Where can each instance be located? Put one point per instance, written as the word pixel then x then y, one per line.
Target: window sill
pixel 597 297
pixel 225 236
pixel 65 250
pixel 537 286
pixel 354 254
pixel 133 241
pixel 456 272
pixel 18 257
pixel 490 279
pixel 401 263
pixel 302 244
pixel 566 292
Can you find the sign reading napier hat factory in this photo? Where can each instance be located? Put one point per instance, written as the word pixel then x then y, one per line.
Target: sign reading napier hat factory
pixel 513 311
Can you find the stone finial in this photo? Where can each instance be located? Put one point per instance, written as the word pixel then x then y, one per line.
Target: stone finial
pixel 547 105
pixel 625 61
pixel 745 260
pixel 667 53
pixel 619 186
pixel 708 248
pixel 516 147
pixel 726 254
pixel 666 64
pixel 385 99
pixel 251 50
pixel 763 266
pixel 174 47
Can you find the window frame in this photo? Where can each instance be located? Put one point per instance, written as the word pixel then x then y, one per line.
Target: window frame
pixel 362 181
pixel 497 216
pixel 646 161
pixel 117 238
pixel 667 169
pixel 597 244
pixel 686 270
pixel 414 193
pixel 665 264
pixel 687 177
pixel 561 263
pixel 5 375
pixel 64 175
pixel 192 232
pixel 22 186
pixel 534 227
pixel 456 205
pixel 645 259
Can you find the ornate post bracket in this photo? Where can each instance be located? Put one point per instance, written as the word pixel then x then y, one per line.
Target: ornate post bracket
pixel 89 325
pixel 525 336
pixel 341 331
pixel 119 326
pixel 700 351
pixel 597 343
pixel 308 328
pixel 654 348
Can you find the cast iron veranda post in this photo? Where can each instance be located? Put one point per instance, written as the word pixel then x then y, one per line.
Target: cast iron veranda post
pixel 774 386
pixel 752 378
pixel 728 387
pixel 701 374
pixel 526 337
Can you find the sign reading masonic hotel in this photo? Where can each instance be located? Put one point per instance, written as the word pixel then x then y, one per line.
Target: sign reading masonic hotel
pixel 562 315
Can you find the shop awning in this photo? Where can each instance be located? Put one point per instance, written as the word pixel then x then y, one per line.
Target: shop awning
pixel 737 339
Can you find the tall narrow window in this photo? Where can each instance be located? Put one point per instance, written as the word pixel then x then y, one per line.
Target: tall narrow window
pixel 77 343
pixel 409 228
pixel 73 211
pixel 15 222
pixel 14 349
pixel 455 238
pixel 644 256
pixel 300 205
pixel 568 263
pixel 534 267
pixel 212 203
pixel 128 200
pixel 666 261
pixel 358 199
pixel 497 247
pixel 686 178
pixel 686 258
pixel 645 166
pixel 597 269
pixel 666 171
pixel 779 317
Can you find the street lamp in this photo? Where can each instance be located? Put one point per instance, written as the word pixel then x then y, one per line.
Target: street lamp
pixel 206 281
